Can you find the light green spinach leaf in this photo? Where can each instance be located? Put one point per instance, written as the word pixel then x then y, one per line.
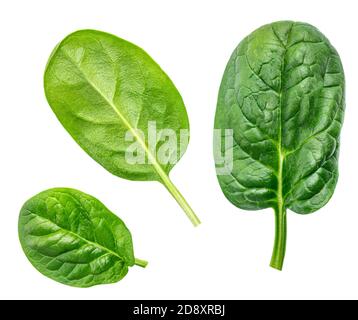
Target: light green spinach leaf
pixel 101 88
pixel 74 239
pixel 282 97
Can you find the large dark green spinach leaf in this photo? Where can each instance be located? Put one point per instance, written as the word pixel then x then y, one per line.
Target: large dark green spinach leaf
pixel 74 239
pixel 282 95
pixel 101 87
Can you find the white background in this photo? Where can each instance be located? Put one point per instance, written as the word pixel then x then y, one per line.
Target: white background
pixel 227 257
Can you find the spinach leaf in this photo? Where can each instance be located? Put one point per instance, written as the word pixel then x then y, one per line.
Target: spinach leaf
pixel 282 102
pixel 101 88
pixel 74 239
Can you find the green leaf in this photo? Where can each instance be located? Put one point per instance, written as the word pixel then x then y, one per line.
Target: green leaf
pixel 101 88
pixel 72 238
pixel 282 95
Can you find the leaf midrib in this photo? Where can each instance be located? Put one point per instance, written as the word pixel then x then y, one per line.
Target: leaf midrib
pixel 95 244
pixel 280 151
pixel 122 118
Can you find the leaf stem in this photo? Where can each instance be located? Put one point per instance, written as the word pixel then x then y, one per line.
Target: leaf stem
pixel 181 200
pixel 140 263
pixel 279 249
pixel 167 182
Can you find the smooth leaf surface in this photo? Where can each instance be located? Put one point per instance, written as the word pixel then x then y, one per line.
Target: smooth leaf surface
pixel 282 94
pixel 102 87
pixel 73 238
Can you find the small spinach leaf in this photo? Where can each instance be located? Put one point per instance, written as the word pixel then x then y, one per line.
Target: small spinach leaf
pixel 74 239
pixel 282 95
pixel 101 88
